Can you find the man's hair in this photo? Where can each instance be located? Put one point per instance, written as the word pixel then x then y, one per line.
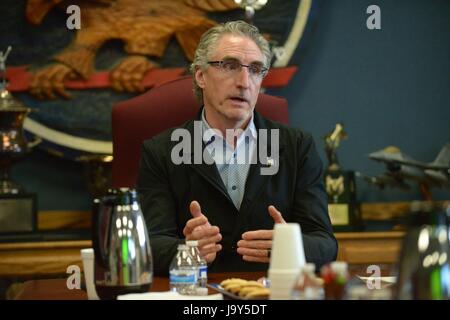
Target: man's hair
pixel 210 39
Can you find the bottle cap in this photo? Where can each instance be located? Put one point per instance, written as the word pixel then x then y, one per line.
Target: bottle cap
pixel 339 267
pixel 192 243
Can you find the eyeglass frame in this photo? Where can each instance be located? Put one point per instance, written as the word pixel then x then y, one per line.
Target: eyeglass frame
pixel 261 75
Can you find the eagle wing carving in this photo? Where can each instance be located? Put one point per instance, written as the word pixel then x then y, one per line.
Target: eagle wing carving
pixel 144 26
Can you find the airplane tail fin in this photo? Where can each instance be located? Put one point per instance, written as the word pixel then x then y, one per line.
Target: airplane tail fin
pixel 443 158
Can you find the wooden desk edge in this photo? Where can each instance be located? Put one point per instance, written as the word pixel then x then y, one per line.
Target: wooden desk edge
pixel 88 243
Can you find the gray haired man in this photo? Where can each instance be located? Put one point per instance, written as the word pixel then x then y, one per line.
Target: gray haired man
pixel 229 207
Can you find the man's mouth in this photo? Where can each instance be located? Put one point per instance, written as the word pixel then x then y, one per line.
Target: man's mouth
pixel 238 99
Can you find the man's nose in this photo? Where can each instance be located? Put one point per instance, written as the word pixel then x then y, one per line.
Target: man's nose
pixel 243 78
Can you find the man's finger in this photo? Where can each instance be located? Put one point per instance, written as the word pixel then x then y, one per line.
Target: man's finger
pixel 256 259
pixel 255 244
pixel 204 242
pixel 253 252
pixel 253 255
pixel 201 233
pixel 195 209
pixel 194 223
pixel 207 250
pixel 258 235
pixel 276 215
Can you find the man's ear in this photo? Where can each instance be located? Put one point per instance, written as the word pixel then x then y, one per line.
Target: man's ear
pixel 200 77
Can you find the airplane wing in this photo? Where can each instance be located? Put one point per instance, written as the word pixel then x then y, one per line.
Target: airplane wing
pixel 439 177
pixel 385 180
pixel 423 165
pixel 393 155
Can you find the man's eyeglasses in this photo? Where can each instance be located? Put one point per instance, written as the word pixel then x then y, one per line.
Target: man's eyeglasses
pixel 233 66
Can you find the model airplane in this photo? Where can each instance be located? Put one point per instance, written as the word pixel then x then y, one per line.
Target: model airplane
pixel 401 167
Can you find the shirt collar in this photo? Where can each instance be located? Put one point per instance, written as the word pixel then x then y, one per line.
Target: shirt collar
pixel 207 138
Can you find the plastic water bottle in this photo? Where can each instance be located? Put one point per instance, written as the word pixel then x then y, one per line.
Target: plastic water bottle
pixel 183 272
pixel 202 266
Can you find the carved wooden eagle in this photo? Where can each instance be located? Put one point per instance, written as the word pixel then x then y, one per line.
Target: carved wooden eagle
pixel 145 27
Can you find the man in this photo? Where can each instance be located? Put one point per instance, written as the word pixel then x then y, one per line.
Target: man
pixel 231 206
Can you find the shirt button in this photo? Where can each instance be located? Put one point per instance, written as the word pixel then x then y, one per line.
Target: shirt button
pixel 234 187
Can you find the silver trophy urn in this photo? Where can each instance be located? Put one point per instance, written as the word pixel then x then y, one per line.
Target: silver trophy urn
pixel 13 144
pixel 17 208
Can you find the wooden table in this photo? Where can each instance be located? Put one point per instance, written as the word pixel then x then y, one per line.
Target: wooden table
pixel 56 289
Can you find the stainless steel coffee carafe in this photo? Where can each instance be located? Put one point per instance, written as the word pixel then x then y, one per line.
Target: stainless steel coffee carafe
pixel 123 259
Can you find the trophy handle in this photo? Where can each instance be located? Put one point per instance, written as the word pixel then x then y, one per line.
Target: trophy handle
pixel 34 143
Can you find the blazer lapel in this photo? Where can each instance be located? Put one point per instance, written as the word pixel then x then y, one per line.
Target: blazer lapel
pixel 208 171
pixel 255 180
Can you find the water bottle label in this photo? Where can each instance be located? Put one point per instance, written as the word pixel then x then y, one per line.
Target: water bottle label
pixel 183 277
pixel 203 272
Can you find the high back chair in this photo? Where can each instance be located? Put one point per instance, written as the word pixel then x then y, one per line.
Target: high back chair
pixel 165 106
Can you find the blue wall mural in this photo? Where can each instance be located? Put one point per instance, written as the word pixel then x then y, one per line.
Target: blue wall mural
pixel 388 87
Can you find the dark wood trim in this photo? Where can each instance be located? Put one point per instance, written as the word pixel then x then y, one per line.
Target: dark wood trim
pixel 54 220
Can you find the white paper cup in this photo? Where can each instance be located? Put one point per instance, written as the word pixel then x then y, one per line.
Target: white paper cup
pixel 287 257
pixel 287 247
pixel 281 283
pixel 87 256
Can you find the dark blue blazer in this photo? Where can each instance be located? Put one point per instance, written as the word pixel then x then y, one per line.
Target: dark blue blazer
pixel 296 190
